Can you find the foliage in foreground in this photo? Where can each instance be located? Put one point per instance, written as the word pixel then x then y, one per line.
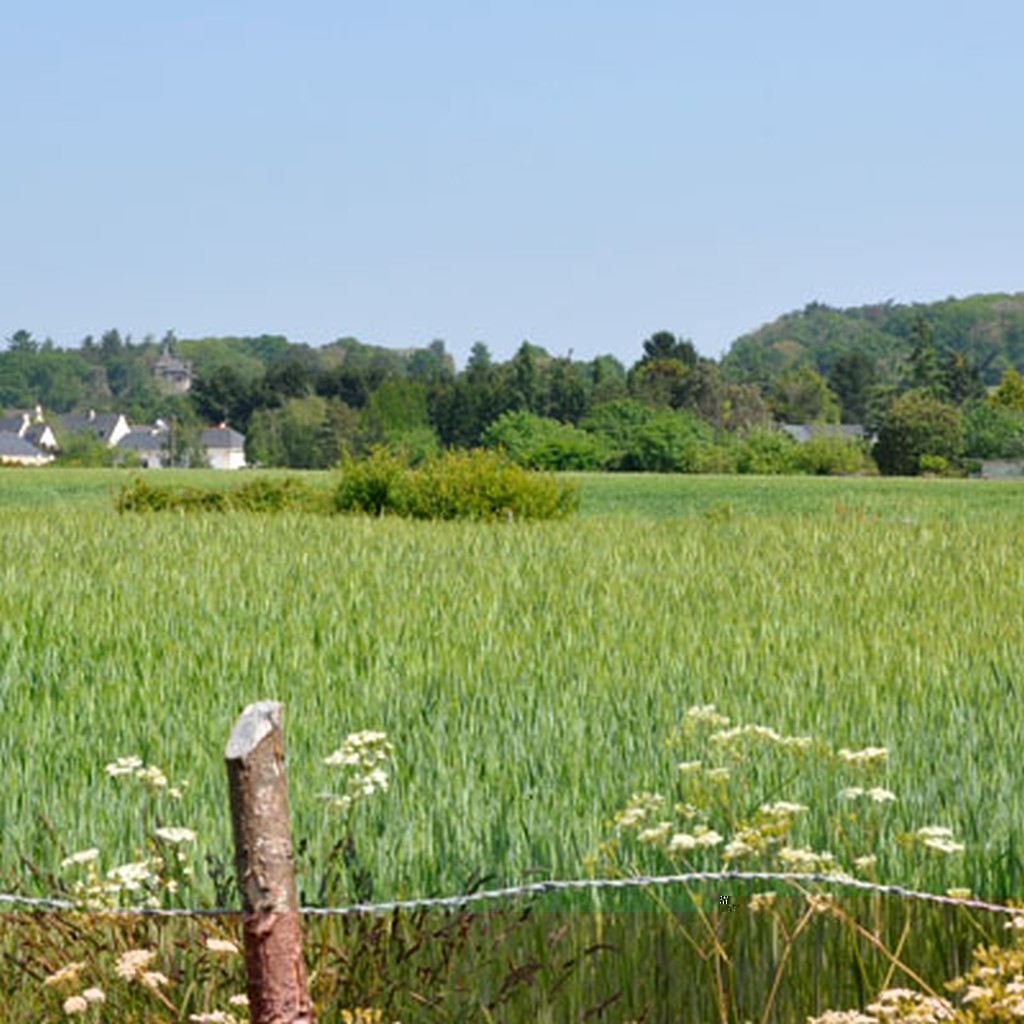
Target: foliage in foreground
pixel 741 956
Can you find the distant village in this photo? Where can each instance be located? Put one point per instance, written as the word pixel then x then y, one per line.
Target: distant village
pixel 31 438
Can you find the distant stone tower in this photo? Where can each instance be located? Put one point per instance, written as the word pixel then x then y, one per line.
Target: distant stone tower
pixel 174 375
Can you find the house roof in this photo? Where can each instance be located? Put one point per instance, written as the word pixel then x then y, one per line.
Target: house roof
pixel 805 431
pixel 222 437
pixel 13 446
pixel 15 423
pixel 144 439
pixel 102 424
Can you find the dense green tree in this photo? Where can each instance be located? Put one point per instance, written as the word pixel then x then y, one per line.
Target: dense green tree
pixel 617 425
pixel 961 382
pixel 993 431
pixel 396 408
pixel 22 341
pixel 1010 393
pixel 608 380
pixel 918 426
pixel 539 442
pixel 431 365
pixel 802 395
pixel 658 382
pixel 566 391
pixel 665 345
pixel 223 395
pixel 852 380
pixel 671 442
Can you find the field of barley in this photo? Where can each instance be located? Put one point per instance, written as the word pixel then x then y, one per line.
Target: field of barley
pixel 688 668
pixel 532 677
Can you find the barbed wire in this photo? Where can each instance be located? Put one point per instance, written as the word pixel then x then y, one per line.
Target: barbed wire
pixel 464 900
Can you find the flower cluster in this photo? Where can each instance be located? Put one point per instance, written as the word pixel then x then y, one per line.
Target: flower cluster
pixel 363 757
pixel 709 815
pixel 149 879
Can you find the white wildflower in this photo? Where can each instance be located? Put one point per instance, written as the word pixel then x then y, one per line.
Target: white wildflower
pixel 682 842
pixel 782 809
pixel 865 863
pixel 216 945
pixel 75 1004
pixel 804 859
pixel 69 973
pixel 940 838
pixel 761 901
pixel 1016 923
pixel 175 834
pixel 934 832
pixel 656 834
pixel 705 714
pixel 737 848
pixel 132 876
pixel 718 774
pixel 851 793
pixel 94 995
pixel 151 776
pixel 688 767
pixel 869 755
pixel 707 836
pixel 154 979
pixel 881 796
pixel 239 1000
pixel 132 962
pixel 81 857
pixel 214 1017
pixel 124 765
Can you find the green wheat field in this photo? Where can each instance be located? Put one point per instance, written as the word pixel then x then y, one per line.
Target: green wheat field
pixel 531 677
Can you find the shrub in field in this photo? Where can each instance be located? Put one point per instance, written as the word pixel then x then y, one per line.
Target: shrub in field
pixel 261 495
pixel 538 442
pixel 767 453
pixel 832 456
pixel 476 484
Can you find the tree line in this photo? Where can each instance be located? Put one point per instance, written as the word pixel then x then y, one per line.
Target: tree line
pixel 937 385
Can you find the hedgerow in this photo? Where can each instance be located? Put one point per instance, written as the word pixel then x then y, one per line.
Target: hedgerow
pixel 474 484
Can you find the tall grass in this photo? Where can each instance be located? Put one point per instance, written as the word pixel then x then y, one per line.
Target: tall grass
pixel 530 676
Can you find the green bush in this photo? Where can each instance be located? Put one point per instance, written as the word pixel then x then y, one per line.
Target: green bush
pixel 767 452
pixel 825 455
pixel 538 442
pixel 253 496
pixel 475 484
pixel 373 485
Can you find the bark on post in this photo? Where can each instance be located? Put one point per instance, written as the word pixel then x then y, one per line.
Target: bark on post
pixel 278 991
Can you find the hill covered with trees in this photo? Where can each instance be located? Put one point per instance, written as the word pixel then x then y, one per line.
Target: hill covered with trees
pixel 900 371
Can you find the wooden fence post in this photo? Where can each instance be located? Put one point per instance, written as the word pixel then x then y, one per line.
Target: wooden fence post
pixel 278 991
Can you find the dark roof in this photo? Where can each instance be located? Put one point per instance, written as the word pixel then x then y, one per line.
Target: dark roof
pixel 15 423
pixel 805 431
pixel 222 437
pixel 100 423
pixel 35 432
pixel 12 445
pixel 144 439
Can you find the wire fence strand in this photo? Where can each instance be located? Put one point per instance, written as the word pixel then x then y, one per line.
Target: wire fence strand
pixel 464 900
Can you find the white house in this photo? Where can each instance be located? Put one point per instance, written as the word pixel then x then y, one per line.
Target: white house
pixel 29 426
pixel 150 444
pixel 109 427
pixel 224 447
pixel 16 451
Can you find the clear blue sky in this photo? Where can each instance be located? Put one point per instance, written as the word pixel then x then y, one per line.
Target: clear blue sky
pixel 576 174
